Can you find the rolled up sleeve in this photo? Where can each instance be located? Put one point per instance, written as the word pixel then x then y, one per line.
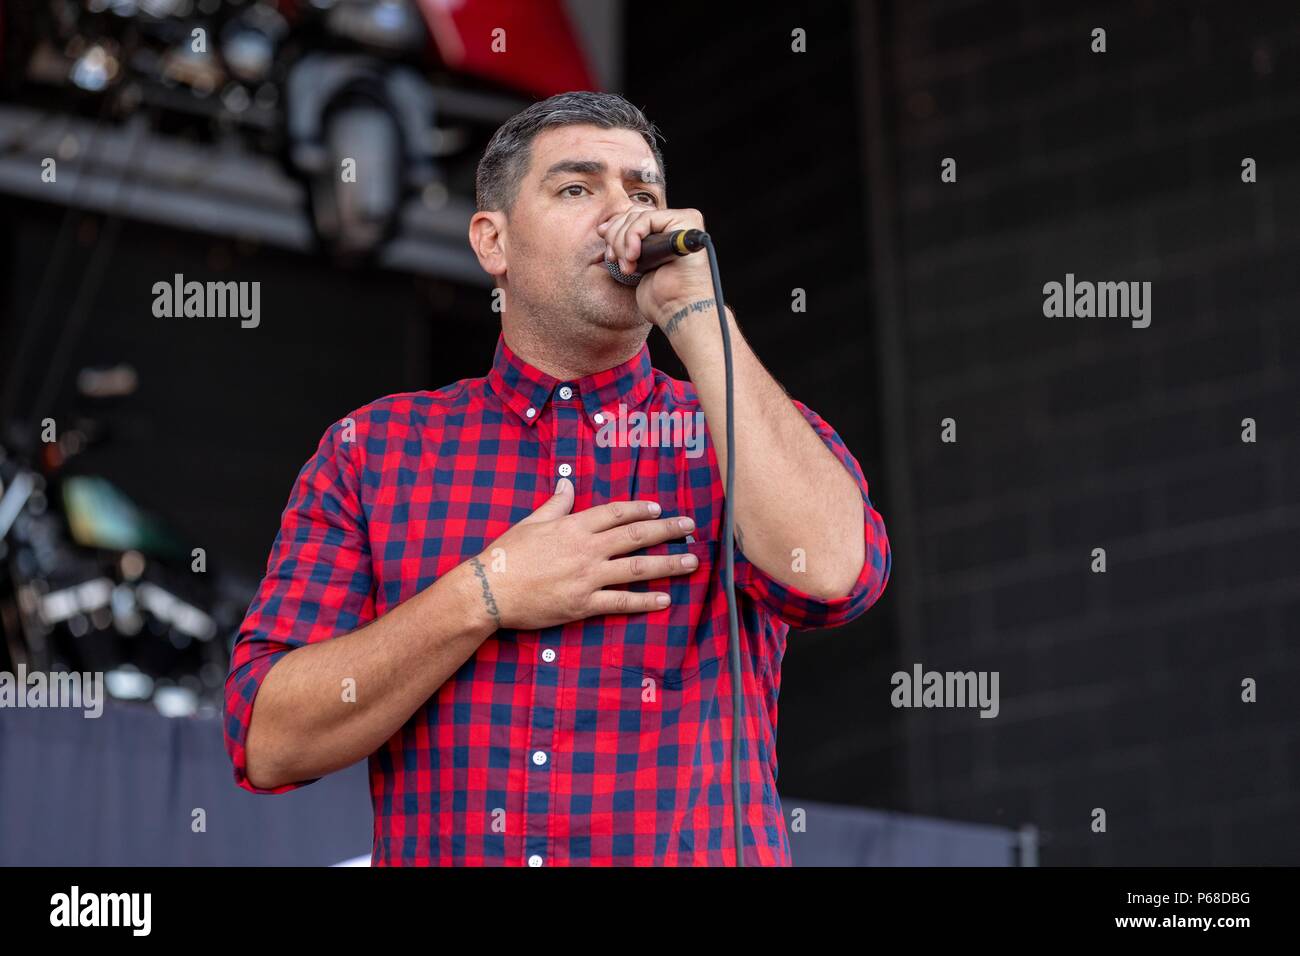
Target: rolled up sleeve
pixel 803 611
pixel 318 584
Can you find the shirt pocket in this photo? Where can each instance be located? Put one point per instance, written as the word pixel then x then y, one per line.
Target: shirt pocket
pixel 667 645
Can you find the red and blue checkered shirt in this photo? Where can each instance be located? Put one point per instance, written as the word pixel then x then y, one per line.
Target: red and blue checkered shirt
pixel 604 741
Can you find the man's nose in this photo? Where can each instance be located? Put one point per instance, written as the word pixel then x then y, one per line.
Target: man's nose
pixel 619 203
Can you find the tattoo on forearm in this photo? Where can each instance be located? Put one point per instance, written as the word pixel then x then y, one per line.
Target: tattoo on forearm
pixel 675 319
pixel 488 600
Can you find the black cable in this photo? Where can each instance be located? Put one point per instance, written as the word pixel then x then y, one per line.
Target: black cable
pixel 93 275
pixel 29 332
pixel 729 572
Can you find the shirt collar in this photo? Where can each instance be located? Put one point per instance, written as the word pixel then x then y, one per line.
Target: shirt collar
pixel 524 387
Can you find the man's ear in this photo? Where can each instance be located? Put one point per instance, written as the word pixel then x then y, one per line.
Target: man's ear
pixel 488 240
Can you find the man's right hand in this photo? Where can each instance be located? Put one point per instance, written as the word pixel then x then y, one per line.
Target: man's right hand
pixel 552 567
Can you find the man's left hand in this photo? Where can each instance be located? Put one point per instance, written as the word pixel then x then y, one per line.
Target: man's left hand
pixel 674 285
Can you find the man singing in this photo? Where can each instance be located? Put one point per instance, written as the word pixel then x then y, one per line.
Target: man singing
pixel 510 599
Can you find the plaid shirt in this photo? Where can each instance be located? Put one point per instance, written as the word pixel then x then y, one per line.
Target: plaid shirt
pixel 604 741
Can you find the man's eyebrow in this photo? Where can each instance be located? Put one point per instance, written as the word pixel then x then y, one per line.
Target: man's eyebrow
pixel 574 166
pixel 588 166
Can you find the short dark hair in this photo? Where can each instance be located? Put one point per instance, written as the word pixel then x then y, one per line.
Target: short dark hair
pixel 505 161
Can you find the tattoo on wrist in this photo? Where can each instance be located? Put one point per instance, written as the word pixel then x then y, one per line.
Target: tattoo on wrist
pixel 674 320
pixel 488 600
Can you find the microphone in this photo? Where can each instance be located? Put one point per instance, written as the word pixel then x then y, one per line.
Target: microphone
pixel 656 249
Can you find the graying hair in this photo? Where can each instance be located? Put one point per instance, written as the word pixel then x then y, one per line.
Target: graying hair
pixel 505 161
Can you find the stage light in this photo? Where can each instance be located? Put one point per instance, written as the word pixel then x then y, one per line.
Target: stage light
pixel 127 683
pixel 175 701
pixel 94 70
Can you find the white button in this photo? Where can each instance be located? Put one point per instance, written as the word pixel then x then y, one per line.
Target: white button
pixel 531 412
pixel 548 655
pixel 566 470
pixel 539 758
pixel 600 419
pixel 534 860
pixel 566 392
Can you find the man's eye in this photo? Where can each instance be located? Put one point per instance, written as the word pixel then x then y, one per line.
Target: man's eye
pixel 574 186
pixel 651 196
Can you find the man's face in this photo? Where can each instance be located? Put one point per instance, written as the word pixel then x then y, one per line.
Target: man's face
pixel 578 177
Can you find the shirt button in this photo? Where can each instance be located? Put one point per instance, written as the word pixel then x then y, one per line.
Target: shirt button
pixel 566 470
pixel 600 419
pixel 531 412
pixel 534 860
pixel 539 758
pixel 548 655
pixel 566 392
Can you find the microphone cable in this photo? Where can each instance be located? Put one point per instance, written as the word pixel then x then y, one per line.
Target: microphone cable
pixel 729 568
pixel 655 250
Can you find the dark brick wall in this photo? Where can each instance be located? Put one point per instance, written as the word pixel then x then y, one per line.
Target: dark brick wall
pixel 1118 690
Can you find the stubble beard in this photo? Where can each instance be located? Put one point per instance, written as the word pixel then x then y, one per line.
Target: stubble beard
pixel 607 305
pixel 587 301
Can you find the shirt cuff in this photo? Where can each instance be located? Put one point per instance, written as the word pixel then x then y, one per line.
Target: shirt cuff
pixel 801 610
pixel 241 690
